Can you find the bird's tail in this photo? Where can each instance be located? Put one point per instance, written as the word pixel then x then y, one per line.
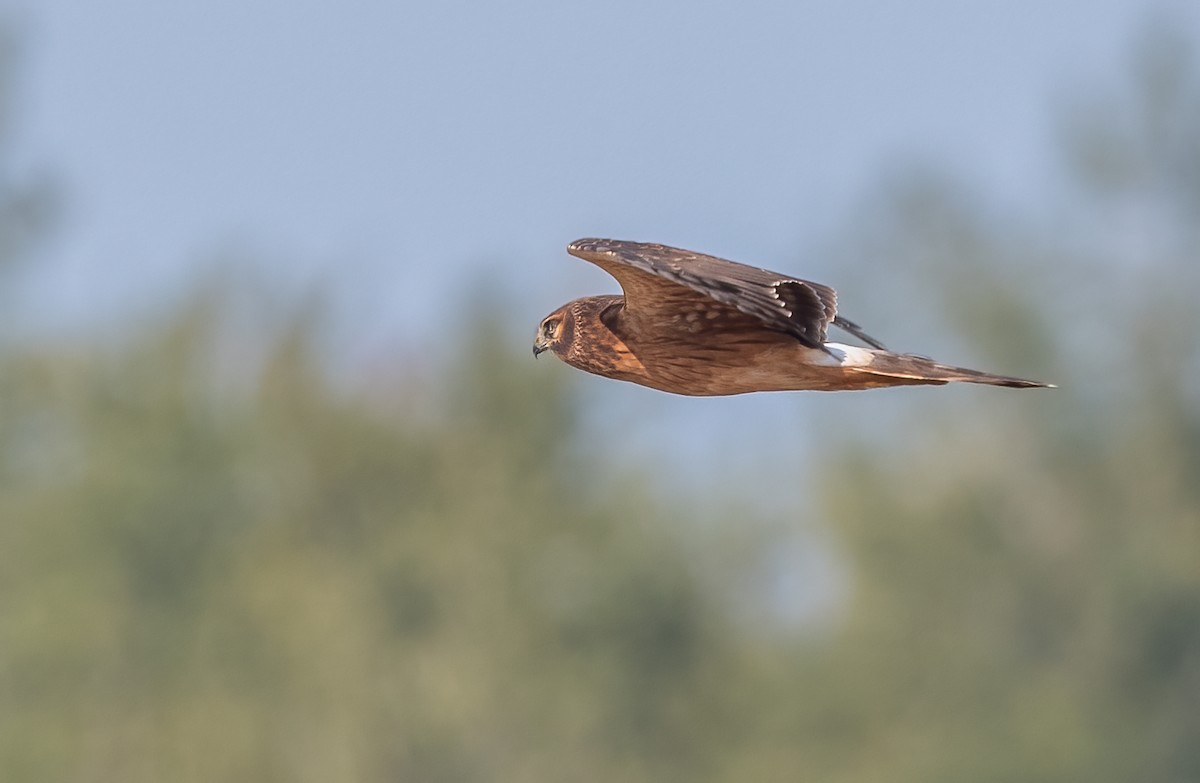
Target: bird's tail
pixel 909 368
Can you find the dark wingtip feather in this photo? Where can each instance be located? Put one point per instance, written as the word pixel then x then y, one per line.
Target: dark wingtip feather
pixel 1019 383
pixel 848 326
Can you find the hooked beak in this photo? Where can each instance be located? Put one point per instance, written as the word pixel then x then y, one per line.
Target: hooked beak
pixel 538 349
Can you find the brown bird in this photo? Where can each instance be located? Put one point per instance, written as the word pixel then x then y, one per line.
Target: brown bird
pixel 703 326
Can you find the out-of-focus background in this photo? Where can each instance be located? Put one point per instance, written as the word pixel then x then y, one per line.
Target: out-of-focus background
pixel 283 495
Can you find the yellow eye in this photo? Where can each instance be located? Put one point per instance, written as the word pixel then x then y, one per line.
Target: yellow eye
pixel 549 328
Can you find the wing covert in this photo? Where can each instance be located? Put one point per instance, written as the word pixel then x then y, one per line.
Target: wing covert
pixel 657 279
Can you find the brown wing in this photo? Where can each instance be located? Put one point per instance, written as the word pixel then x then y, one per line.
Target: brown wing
pixel 660 280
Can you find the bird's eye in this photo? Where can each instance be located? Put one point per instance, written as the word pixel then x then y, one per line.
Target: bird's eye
pixel 549 327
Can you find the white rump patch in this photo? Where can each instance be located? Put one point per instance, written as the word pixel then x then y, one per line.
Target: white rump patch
pixel 846 356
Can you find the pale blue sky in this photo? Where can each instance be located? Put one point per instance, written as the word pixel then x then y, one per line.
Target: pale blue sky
pixel 400 150
pixel 406 144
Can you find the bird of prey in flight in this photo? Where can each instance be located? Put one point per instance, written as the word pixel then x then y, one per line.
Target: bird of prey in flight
pixel 698 325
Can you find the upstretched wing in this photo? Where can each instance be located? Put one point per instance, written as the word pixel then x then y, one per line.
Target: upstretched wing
pixel 660 281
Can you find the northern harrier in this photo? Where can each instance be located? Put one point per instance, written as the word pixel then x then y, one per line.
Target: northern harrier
pixel 699 325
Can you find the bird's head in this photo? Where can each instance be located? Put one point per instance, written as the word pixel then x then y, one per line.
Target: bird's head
pixel 554 332
pixel 577 332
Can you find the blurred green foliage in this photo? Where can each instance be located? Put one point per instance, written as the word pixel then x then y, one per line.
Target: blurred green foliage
pixel 432 577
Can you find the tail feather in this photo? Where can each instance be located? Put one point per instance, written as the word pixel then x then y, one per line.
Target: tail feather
pixel 919 369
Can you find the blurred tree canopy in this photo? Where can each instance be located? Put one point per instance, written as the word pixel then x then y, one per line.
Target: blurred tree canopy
pixel 427 578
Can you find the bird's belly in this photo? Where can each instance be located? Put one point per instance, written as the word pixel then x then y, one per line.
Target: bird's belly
pixel 737 368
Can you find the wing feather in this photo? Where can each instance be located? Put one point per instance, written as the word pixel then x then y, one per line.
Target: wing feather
pixel 658 280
